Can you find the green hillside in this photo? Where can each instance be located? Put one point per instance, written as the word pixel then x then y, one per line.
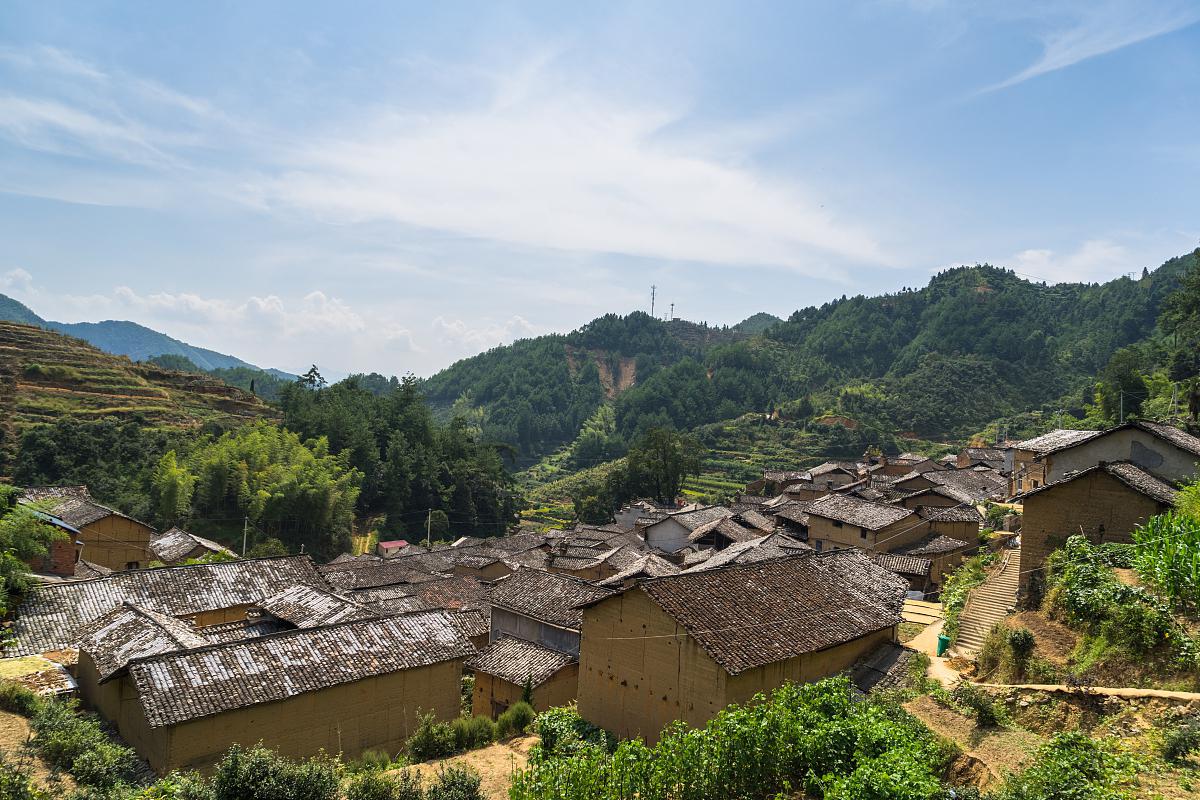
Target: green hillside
pixel 46 377
pixel 975 344
pixel 129 339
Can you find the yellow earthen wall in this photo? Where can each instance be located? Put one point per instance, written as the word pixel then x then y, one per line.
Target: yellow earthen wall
pixel 116 541
pixel 493 695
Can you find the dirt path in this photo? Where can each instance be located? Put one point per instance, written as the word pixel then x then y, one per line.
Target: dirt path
pixel 926 642
pixel 1107 691
pixel 495 764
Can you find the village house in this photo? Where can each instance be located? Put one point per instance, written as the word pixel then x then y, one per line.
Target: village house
pixel 914 569
pixel 651 565
pixel 1023 461
pixel 685 646
pixel 177 545
pixel 969 457
pixel 51 615
pixel 1161 449
pixel 742 526
pixel 765 548
pixel 945 554
pixel 182 701
pixel 542 610
pixel 1105 503
pixel 104 535
pixel 627 516
pixel 841 521
pixel 391 548
pixel 671 533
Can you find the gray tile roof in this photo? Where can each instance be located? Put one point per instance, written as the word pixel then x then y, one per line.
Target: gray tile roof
pixel 349 576
pixel 176 543
pixel 977 483
pixel 191 684
pixel 51 615
pixel 129 632
pixel 546 596
pixel 309 607
pixel 516 660
pixel 1181 439
pixel 701 516
pixel 951 514
pixel 472 621
pixel 903 565
pixel 243 629
pixel 650 565
pixel 776 545
pixel 932 545
pixel 1127 473
pixel 1055 440
pixel 72 504
pixel 858 512
pixel 729 528
pixel 746 616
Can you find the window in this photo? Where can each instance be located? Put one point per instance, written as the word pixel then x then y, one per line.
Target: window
pixel 837 524
pixel 817 544
pixel 862 534
pixel 131 565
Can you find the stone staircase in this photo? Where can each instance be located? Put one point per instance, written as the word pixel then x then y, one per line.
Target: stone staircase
pixel 988 603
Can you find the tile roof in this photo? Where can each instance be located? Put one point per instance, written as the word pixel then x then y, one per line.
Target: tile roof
pixel 775 545
pixel 952 514
pixel 903 565
pixel 749 615
pixel 51 615
pixel 546 596
pixel 456 593
pixel 1055 440
pixel 954 493
pixel 129 632
pixel 308 607
pixel 349 576
pixel 243 629
pixel 650 565
pixel 472 622
pixel 755 519
pixel 1127 473
pixel 516 660
pixel 701 516
pixel 86 569
pixel 793 510
pixel 932 545
pixel 861 513
pixel 176 543
pixel 188 685
pixel 72 504
pixel 978 483
pixel 729 528
pixel 1181 439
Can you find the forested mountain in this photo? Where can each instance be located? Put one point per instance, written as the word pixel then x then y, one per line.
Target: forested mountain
pixel 975 344
pixel 130 339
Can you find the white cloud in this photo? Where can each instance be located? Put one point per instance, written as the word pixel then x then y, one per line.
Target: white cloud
pixel 1093 260
pixel 16 280
pixel 1102 27
pixel 464 337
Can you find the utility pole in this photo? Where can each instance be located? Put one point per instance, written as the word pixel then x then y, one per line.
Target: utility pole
pixel 245 530
pixel 1122 395
pixel 428 520
pixel 672 312
pixel 653 289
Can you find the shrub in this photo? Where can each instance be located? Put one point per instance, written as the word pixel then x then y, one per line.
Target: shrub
pixel 1181 741
pixel 515 720
pixel 382 786
pixel 978 701
pixel 432 739
pixel 260 774
pixel 19 699
pixel 372 760
pixel 177 786
pixel 564 732
pixel 455 783
pixel 16 783
pixel 482 731
pixel 1070 765
pixel 77 743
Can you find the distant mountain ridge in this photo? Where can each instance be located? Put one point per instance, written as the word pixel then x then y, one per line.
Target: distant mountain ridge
pixel 124 338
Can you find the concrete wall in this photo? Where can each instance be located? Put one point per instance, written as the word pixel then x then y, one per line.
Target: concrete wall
pixel 493 695
pixel 116 542
pixel 510 623
pixel 1131 444
pixel 1097 504
pixel 378 712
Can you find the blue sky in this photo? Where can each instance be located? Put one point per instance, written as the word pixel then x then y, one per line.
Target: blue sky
pixel 390 187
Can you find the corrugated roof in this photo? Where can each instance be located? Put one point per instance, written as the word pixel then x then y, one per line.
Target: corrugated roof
pixel 51 615
pixel 516 661
pixel 746 616
pixel 188 685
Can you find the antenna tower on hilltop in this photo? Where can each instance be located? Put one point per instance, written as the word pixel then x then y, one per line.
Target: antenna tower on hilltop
pixel 653 289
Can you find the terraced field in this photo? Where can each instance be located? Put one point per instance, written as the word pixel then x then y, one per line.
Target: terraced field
pixel 45 376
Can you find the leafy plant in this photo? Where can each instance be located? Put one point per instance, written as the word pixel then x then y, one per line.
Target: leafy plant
pixel 455 783
pixel 1181 741
pixel 383 786
pixel 1071 765
pixel 432 739
pixel 76 743
pixel 260 774
pixel 564 732
pixel 1168 556
pixel 19 699
pixel 515 720
pixel 978 701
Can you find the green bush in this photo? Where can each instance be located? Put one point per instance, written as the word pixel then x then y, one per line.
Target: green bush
pixel 978 701
pixel 564 732
pixel 260 774
pixel 432 739
pixel 515 720
pixel 76 743
pixel 482 731
pixel 1071 765
pixel 383 786
pixel 812 738
pixel 371 760
pixel 16 783
pixel 178 786
pixel 455 783
pixel 19 699
pixel 1181 741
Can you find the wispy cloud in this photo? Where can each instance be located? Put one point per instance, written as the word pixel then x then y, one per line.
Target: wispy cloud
pixel 1097 28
